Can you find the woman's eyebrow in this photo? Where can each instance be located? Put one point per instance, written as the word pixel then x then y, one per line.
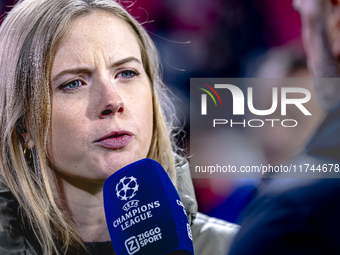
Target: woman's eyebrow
pixel 87 70
pixel 125 60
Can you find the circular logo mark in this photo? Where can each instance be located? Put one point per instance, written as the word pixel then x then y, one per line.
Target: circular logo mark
pixel 127 188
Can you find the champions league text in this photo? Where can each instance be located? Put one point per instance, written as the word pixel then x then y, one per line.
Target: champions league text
pixel 136 215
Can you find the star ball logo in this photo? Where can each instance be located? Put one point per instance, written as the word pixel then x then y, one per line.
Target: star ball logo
pixel 239 104
pixel 126 189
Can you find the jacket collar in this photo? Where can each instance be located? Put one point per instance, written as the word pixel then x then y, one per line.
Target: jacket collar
pixel 185 187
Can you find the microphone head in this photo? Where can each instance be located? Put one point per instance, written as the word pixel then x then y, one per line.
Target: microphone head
pixel 144 212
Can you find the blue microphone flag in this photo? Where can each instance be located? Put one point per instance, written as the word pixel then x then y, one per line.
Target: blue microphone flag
pixel 144 212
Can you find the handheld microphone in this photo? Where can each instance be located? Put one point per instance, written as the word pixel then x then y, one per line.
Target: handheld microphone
pixel 144 212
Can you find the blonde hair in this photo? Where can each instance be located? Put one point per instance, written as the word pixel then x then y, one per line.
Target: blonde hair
pixel 29 37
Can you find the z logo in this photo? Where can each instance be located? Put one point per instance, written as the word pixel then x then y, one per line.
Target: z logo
pixel 132 245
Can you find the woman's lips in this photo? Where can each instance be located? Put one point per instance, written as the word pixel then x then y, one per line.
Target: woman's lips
pixel 115 140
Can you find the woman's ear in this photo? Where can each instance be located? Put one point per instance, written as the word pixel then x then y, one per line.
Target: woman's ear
pixel 28 140
pixel 26 137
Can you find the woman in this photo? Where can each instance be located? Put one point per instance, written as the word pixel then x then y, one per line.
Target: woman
pixel 81 97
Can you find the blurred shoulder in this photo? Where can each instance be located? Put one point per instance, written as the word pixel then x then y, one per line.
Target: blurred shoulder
pixel 212 235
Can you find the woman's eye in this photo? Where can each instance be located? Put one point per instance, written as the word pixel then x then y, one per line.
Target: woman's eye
pixel 128 74
pixel 72 85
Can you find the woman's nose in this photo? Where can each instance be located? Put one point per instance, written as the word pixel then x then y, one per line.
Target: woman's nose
pixel 111 109
pixel 110 101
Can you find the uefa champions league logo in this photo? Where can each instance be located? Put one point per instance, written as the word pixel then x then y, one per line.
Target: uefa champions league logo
pixel 127 188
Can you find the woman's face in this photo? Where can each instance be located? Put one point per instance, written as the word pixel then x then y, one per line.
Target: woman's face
pixel 102 117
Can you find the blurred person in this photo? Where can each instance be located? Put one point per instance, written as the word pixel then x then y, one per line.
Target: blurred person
pixel 278 143
pixel 301 216
pixel 80 98
pixel 267 145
